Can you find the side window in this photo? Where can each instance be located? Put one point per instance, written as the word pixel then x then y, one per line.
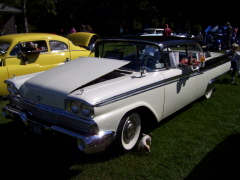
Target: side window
pixel 58 46
pixel 16 49
pixel 193 50
pixel 33 46
pixel 159 32
pixel 174 54
pixel 182 53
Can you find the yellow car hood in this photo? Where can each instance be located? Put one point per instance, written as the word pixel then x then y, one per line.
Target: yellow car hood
pixel 81 38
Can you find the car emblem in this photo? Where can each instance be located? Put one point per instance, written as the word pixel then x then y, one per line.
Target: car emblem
pixel 81 92
pixel 39 98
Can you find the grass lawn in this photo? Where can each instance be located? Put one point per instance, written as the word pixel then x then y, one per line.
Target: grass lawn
pixel 201 141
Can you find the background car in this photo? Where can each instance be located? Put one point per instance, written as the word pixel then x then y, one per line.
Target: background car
pixel 33 52
pixel 215 37
pixel 184 34
pixel 153 31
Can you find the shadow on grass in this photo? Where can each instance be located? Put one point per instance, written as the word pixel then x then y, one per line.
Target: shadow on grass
pixel 28 156
pixel 225 80
pixel 223 162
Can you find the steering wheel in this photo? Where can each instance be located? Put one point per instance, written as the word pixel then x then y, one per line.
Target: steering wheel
pixel 145 60
pixel 149 61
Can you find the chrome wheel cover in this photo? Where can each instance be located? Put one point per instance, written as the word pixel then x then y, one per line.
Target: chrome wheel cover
pixel 131 131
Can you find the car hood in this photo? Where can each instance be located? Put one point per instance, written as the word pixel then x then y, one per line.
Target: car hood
pixel 81 38
pixel 52 86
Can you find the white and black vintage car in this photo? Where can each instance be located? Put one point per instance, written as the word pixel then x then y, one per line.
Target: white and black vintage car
pixel 108 96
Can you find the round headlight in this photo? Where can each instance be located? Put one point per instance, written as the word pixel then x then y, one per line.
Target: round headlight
pixel 12 89
pixel 9 88
pixel 15 91
pixel 74 107
pixel 86 110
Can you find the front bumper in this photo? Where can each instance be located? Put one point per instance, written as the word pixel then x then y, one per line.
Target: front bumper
pixel 89 144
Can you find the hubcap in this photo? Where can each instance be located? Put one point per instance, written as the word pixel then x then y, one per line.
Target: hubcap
pixel 129 130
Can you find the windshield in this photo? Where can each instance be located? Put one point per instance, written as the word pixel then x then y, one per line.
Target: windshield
pixel 139 54
pixel 149 31
pixel 4 45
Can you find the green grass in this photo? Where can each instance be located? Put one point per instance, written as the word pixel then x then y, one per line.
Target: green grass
pixel 201 141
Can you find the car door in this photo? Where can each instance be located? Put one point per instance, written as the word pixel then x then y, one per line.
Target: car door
pixel 29 57
pixel 180 82
pixel 60 51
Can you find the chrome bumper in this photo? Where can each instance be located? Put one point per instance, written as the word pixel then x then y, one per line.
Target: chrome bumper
pixel 88 144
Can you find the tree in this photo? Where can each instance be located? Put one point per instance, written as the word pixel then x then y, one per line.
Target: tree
pixel 24 16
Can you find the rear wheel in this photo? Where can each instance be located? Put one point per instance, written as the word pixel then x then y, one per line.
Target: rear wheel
pixel 219 46
pixel 208 93
pixel 128 131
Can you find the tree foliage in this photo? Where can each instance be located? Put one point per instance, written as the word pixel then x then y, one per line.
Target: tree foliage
pixel 105 16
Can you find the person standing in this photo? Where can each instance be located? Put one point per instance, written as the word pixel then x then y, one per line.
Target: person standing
pixel 82 28
pixel 234 61
pixel 73 30
pixel 62 33
pixel 121 31
pixel 235 30
pixel 89 28
pixel 167 31
pixel 200 36
pixel 229 32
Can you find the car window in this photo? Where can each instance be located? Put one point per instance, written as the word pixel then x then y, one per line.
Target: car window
pixel 159 31
pixel 4 45
pixel 175 54
pixel 16 49
pixel 32 46
pixel 139 54
pixel 150 31
pixel 58 46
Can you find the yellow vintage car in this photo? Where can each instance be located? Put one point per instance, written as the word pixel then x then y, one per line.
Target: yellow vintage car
pixel 27 53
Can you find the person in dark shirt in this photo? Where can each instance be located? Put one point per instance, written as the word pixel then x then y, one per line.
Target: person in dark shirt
pixel 229 32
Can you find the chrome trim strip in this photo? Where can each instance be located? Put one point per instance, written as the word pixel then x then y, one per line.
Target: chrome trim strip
pixel 147 88
pixel 158 84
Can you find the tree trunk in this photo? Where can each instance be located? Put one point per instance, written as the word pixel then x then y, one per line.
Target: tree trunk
pixel 25 16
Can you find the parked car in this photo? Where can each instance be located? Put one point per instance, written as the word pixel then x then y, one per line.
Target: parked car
pixel 215 37
pixel 185 34
pixel 109 96
pixel 33 52
pixel 153 31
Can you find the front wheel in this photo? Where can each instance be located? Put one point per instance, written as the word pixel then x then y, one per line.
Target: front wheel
pixel 128 131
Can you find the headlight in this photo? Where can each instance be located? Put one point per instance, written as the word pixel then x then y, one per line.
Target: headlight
pixel 74 106
pixel 86 110
pixel 78 107
pixel 9 88
pixel 12 89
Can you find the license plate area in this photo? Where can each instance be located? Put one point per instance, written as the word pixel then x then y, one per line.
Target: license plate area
pixel 35 128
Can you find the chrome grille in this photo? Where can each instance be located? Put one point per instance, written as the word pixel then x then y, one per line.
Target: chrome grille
pixel 44 116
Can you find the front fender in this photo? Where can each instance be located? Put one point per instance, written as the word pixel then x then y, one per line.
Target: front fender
pixel 19 80
pixel 109 116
